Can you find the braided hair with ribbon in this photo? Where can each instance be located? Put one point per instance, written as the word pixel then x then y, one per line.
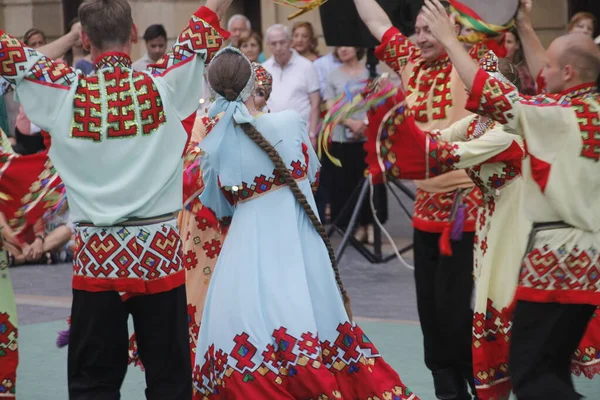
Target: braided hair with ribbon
pixel 232 79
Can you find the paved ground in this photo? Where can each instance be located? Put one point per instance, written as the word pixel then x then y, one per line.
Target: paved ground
pixel 383 298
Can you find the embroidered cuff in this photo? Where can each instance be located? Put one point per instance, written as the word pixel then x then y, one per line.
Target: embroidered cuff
pixel 208 15
pixel 474 101
pixel 385 40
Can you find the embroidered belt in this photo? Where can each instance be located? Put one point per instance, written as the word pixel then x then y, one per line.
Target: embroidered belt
pixel 544 226
pixel 135 221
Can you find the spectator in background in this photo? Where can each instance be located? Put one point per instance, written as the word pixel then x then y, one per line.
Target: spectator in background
pixel 324 65
pixel 304 40
pixel 34 38
pixel 514 53
pixel 348 140
pixel 583 22
pixel 155 38
pixel 295 80
pixel 251 45
pixel 239 26
pixel 78 57
pixel 28 138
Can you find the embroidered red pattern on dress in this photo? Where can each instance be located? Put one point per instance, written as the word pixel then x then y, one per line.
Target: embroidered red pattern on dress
pixel 324 368
pixel 8 357
pixel 263 184
pixel 491 337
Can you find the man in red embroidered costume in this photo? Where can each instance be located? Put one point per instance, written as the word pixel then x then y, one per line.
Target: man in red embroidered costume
pixel 559 284
pixel 436 96
pixel 117 143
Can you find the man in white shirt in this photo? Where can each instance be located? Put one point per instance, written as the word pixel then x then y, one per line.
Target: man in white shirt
pixel 295 80
pixel 155 38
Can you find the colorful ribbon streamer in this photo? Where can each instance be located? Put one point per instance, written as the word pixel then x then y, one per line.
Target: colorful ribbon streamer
pixel 483 30
pixel 349 103
pixel 303 6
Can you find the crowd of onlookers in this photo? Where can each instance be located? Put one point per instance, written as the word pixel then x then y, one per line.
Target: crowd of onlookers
pixel 304 79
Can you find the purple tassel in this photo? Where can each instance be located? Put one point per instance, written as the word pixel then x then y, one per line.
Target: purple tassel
pixel 63 338
pixel 459 224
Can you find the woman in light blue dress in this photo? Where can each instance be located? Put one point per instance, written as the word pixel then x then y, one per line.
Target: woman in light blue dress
pixel 274 323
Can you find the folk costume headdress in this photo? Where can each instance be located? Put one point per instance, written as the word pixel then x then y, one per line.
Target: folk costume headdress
pixel 226 135
pixel 489 19
pixel 263 77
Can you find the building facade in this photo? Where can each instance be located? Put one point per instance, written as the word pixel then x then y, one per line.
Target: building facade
pixel 51 16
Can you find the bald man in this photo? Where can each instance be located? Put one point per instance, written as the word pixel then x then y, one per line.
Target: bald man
pixel 559 284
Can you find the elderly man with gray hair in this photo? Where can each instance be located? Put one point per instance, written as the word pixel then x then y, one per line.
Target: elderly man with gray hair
pixel 295 80
pixel 239 26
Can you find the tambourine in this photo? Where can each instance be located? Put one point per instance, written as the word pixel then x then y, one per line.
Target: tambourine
pixel 486 17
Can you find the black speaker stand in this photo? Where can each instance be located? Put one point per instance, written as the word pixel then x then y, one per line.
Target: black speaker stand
pixel 361 193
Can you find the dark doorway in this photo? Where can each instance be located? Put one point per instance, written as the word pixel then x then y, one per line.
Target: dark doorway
pixel 252 11
pixel 69 11
pixel 591 6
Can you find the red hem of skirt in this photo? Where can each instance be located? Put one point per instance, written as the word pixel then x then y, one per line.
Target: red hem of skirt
pixel 498 390
pixel 587 370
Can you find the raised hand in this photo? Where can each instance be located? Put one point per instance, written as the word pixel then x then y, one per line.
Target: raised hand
pixel 524 14
pixel 220 7
pixel 441 26
pixel 374 17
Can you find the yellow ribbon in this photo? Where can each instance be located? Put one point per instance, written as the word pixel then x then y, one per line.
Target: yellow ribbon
pixel 301 9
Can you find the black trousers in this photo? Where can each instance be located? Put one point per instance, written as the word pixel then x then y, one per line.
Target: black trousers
pixel 99 344
pixel 544 337
pixel 444 289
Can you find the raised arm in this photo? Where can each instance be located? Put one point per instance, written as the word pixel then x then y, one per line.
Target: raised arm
pixel 180 71
pixel 42 84
pixel 374 17
pixel 396 50
pixel 442 27
pixel 535 54
pixel 417 154
pixel 62 45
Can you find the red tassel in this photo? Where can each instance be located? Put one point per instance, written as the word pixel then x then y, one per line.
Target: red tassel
pixel 445 245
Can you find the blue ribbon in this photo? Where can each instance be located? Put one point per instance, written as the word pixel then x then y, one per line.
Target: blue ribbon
pixel 222 145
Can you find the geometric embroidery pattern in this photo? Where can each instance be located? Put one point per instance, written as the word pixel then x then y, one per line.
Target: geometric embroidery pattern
pixel 589 125
pixel 399 51
pixel 115 95
pixel 199 38
pixel 491 338
pixel 575 270
pixel 8 357
pixel 430 80
pixel 263 184
pixel 147 252
pixel 288 356
pixel 49 71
